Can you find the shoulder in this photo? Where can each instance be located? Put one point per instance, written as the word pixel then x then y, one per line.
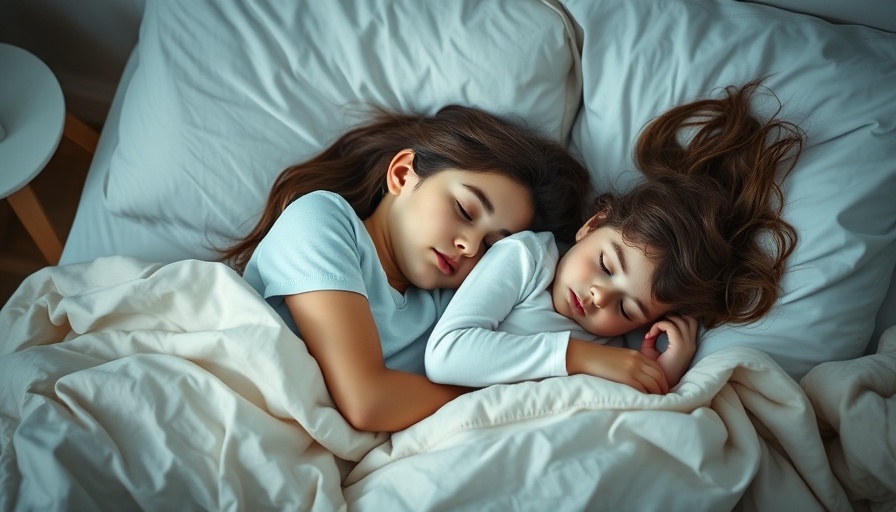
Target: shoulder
pixel 526 255
pixel 539 248
pixel 319 212
pixel 316 220
pixel 319 203
pixel 316 241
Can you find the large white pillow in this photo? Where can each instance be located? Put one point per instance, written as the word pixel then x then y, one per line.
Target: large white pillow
pixel 641 57
pixel 228 93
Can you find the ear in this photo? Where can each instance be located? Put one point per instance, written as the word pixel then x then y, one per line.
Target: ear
pixel 596 221
pixel 401 171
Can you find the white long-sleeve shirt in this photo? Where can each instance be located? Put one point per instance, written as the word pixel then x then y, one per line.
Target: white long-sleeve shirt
pixel 501 325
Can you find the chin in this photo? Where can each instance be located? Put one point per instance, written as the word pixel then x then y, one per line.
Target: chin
pixel 425 284
pixel 432 282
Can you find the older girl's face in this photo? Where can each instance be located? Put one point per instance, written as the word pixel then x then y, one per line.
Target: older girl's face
pixel 604 284
pixel 441 226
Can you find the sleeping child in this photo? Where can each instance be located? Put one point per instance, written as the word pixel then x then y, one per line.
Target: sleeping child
pixel 700 240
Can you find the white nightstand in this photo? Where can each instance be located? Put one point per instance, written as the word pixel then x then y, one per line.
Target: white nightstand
pixel 33 116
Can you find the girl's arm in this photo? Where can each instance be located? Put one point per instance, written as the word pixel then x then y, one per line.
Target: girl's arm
pixel 621 365
pixel 340 333
pixel 465 347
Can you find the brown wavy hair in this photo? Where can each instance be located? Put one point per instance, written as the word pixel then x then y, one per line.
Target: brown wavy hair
pixel 456 137
pixel 709 210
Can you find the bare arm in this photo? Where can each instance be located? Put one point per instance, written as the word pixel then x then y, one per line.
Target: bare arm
pixel 621 365
pixel 341 335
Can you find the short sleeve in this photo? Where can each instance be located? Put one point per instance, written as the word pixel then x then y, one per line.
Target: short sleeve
pixel 312 246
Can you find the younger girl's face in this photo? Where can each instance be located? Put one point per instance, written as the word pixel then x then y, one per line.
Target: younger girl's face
pixel 604 285
pixel 441 226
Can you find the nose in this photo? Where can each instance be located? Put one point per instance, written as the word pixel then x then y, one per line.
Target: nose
pixel 468 244
pixel 600 296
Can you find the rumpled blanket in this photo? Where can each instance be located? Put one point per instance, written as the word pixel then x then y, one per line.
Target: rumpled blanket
pixel 126 384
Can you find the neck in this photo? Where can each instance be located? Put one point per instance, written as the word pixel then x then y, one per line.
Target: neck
pixel 377 226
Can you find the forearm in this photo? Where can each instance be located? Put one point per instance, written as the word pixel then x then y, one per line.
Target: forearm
pixel 474 356
pixel 580 356
pixel 621 365
pixel 391 400
pixel 369 395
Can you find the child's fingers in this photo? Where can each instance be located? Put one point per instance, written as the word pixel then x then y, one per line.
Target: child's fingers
pixel 647 384
pixel 680 328
pixel 640 372
pixel 649 343
pixel 656 329
pixel 680 323
pixel 686 325
pixel 656 382
pixel 653 377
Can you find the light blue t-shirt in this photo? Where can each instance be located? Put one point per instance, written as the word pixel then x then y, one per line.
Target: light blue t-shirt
pixel 319 243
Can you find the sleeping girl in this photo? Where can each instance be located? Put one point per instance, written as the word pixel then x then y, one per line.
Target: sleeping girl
pixel 701 240
pixel 360 248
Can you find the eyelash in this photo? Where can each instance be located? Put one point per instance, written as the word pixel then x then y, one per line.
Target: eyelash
pixel 607 271
pixel 604 267
pixel 463 212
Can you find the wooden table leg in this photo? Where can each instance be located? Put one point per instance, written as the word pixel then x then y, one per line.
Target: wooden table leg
pixel 81 134
pixel 34 218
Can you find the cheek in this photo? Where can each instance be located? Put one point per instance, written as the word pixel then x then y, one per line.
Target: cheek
pixel 608 325
pixel 575 271
pixel 429 223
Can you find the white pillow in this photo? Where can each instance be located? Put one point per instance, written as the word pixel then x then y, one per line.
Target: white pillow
pixel 641 57
pixel 229 93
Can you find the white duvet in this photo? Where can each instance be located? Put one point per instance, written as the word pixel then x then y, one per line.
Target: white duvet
pixel 127 385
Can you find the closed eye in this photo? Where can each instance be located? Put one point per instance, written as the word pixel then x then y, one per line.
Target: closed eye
pixel 603 266
pixel 463 212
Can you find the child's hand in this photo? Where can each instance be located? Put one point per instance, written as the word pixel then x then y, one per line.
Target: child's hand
pixel 621 365
pixel 682 333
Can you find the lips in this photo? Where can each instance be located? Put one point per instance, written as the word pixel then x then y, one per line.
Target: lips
pixel 446 265
pixel 576 304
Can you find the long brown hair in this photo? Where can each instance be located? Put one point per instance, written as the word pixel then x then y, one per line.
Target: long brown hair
pixel 709 211
pixel 456 137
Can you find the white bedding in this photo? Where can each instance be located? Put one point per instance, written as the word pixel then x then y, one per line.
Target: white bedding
pixel 127 385
pixel 620 62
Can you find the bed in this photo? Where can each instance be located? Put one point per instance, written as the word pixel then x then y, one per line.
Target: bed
pixel 139 374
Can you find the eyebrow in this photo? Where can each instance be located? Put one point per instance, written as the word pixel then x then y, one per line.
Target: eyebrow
pixel 489 207
pixel 619 255
pixel 486 203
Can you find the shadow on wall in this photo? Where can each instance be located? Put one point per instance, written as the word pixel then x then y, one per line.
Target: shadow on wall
pixel 85 43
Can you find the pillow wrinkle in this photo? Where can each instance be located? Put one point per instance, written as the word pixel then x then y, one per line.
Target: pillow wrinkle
pixel 246 89
pixel 640 58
